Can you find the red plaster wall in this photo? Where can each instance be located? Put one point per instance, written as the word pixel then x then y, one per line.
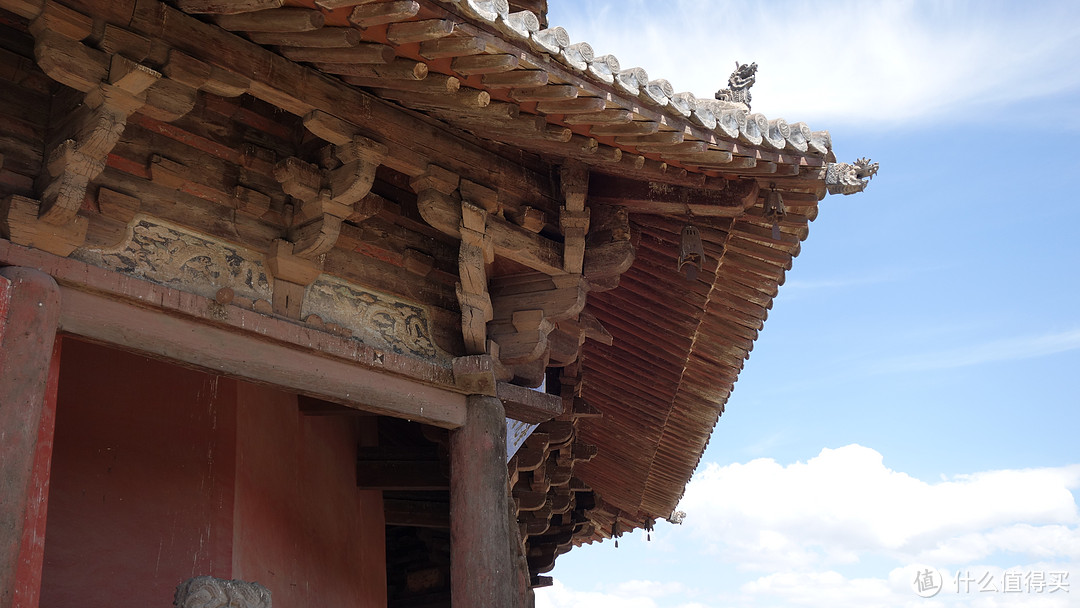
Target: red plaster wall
pixel 141 483
pixel 296 477
pixel 161 473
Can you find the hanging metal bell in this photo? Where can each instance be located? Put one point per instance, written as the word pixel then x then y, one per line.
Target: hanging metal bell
pixel 691 252
pixel 774 210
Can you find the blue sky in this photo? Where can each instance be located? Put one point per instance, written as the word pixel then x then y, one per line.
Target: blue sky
pixel 912 401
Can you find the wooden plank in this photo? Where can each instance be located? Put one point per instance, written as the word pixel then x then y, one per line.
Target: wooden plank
pixel 416 513
pixel 400 475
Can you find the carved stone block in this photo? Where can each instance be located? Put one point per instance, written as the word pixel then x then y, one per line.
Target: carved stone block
pixel 210 592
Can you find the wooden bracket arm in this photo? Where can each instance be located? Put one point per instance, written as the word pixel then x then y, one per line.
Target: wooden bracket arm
pixel 513 242
pixel 115 86
pixel 327 197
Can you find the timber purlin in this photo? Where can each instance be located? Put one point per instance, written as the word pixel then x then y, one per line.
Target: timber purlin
pixel 461 159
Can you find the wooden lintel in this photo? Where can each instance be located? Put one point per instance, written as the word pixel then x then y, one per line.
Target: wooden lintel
pixel 217 341
pixel 528 405
pixel 253 358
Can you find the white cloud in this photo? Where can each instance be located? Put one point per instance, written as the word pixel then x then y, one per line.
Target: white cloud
pixel 628 594
pixel 845 61
pixel 842 530
pixel 812 588
pixel 833 590
pixel 845 503
pixel 994 351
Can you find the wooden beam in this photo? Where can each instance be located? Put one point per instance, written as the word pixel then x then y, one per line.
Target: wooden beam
pixel 379 13
pixel 327 37
pixel 401 475
pixel 273 20
pixel 227 7
pixel 510 241
pixel 416 513
pixel 220 350
pixel 648 197
pixel 480 535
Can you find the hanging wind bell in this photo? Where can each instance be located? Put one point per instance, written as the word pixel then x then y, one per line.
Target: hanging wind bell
pixel 615 532
pixel 650 523
pixel 691 252
pixel 774 210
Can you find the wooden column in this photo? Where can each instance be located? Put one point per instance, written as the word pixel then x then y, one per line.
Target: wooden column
pixel 482 573
pixel 29 312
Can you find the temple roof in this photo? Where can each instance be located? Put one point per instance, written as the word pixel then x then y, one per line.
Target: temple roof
pixel 468 89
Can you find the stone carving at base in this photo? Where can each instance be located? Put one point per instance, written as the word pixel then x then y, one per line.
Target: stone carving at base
pixel 210 592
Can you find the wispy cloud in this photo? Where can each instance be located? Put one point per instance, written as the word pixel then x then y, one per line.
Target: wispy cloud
pixel 846 62
pixel 995 351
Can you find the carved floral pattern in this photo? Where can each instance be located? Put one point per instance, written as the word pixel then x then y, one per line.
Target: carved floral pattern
pixel 379 320
pixel 178 258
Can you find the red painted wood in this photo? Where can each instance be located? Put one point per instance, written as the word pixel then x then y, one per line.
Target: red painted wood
pixel 32 549
pixel 31 303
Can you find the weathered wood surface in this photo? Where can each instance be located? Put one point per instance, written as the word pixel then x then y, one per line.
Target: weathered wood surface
pixel 29 313
pixel 649 197
pixel 735 292
pixel 479 530
pixel 276 80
